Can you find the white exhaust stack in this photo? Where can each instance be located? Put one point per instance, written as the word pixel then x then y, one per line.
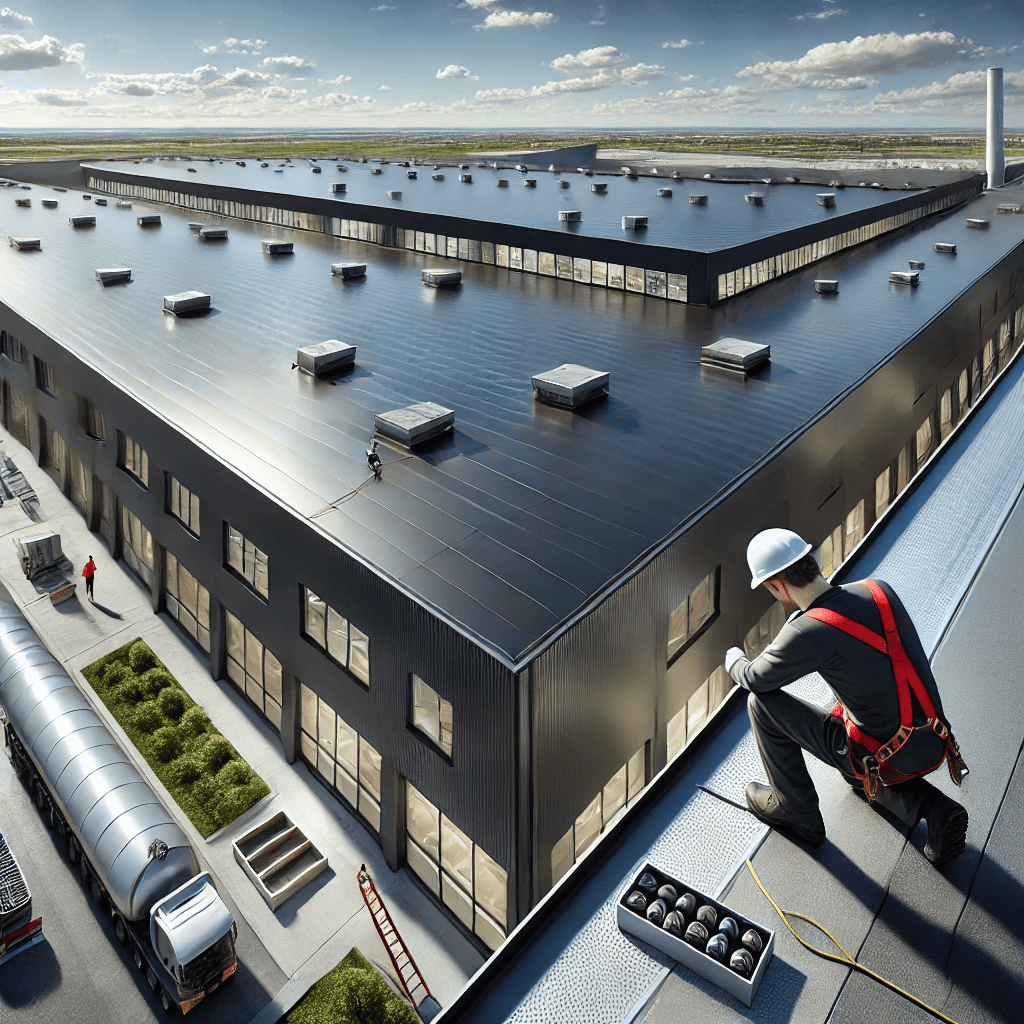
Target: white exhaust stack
pixel 995 160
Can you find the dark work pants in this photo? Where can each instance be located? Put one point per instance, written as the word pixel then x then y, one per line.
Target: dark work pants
pixel 784 726
pixel 88 585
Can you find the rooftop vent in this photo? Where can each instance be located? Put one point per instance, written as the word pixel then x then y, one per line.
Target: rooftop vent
pixel 570 385
pixel 195 226
pixel 735 354
pixel 551 167
pixel 275 248
pixel 501 183
pixel 415 423
pixel 529 182
pixel 375 170
pixel 124 204
pixel 521 167
pixel 342 167
pixel 439 278
pixel 393 194
pixel 325 357
pixel 916 264
pixel 211 233
pixel 949 247
pixel 699 200
pixel 664 193
pixel 263 163
pixel 823 287
pixel 561 183
pixel 84 194
pixel 100 202
pixel 977 222
pixel 23 243
pixel 826 199
pixel 633 221
pixel 240 163
pixel 348 270
pixel 186 302
pixel 50 204
pixel 708 176
pixel 438 177
pixel 675 174
pixel 411 174
pixel 904 277
pixel 600 187
pixel 570 216
pixel 463 167
pixel 338 187
pixel 148 220
pixel 468 178
pixel 316 169
pixel 22 202
pixel 82 222
pixel 1010 208
pixel 113 275
pixel 754 198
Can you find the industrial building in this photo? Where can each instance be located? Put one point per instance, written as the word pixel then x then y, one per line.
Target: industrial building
pixel 487 649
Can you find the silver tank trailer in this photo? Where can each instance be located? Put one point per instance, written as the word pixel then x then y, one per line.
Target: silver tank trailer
pixel 109 806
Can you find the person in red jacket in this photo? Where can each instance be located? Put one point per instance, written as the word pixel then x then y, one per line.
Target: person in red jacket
pixel 89 572
pixel 861 639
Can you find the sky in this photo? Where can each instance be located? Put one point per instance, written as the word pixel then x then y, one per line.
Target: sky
pixel 568 64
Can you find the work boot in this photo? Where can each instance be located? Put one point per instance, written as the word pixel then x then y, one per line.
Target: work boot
pixel 947 828
pixel 764 805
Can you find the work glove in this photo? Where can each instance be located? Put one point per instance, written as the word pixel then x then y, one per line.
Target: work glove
pixel 732 655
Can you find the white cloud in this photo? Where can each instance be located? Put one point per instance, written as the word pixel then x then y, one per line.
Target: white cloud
pixel 500 95
pixel 296 63
pixel 680 44
pixel 452 71
pixel 385 88
pixel 688 78
pixel 12 19
pixel 829 12
pixel 244 46
pixel 18 55
pixel 514 19
pixel 968 83
pixel 382 7
pixel 60 98
pixel 601 80
pixel 340 80
pixel 211 49
pixel 478 3
pixel 595 57
pixel 598 23
pixel 638 74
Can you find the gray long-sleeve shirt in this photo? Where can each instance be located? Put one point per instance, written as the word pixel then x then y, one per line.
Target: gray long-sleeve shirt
pixel 861 677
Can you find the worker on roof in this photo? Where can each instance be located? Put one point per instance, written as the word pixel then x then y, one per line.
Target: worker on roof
pixel 887 729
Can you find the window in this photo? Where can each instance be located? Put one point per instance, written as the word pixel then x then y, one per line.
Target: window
pixel 457 870
pixel 854 528
pixel 246 560
pixel 693 614
pixel 55 451
pixel 619 792
pixel 765 631
pixel 44 377
pixel 830 554
pixel 343 641
pixel 182 504
pixel 11 347
pixel 988 362
pixel 925 441
pixel 882 488
pixel 946 414
pixel 92 420
pixel 348 763
pixel 80 483
pixel 432 715
pixel 684 726
pixel 253 669
pixel 138 546
pixel 132 458
pixel 187 600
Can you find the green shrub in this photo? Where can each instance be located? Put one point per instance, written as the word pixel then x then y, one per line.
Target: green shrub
pixel 156 679
pixel 129 692
pixel 205 793
pixel 166 744
pixel 147 717
pixel 115 673
pixel 216 753
pixel 194 722
pixel 141 657
pixel 173 700
pixel 235 773
pixel 186 770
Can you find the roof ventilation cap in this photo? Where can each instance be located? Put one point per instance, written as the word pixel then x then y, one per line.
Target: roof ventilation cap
pixel 826 199
pixel 754 199
pixel 664 193
pixel 393 194
pixel 634 221
pixel 949 247
pixel 316 169
pixel 348 270
pixel 148 220
pixel 195 226
pixel 24 243
pixel 124 204
pixel 977 222
pixel 342 167
pixel 570 216
pixel 337 187
pixel 325 357
pixel 916 264
pixel 85 195
pixel 529 182
pixel 904 277
pixel 600 187
pixel 463 167
pixel 22 202
pixel 570 385
pixel 415 423
pixel 101 202
pixel 113 275
pixel 468 178
pixel 562 183
pixel 735 354
pixel 375 170
pixel 439 278
pixel 82 222
pixel 275 248
pixel 1010 208
pixel 263 163
pixel 438 177
pixel 699 200
pixel 411 175
pixel 240 163
pixel 186 302
pixel 501 183
pixel 208 233
pixel 50 204
pixel 823 287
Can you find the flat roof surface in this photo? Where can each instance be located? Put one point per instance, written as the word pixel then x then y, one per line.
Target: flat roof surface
pixel 509 524
pixel 953 548
pixel 725 221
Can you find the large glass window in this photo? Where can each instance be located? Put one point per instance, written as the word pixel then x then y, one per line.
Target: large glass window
pixel 187 600
pixel 882 488
pixel 55 451
pixel 340 755
pixel 45 379
pixel 182 504
pixel 92 420
pixel 342 640
pixel 432 714
pixel 137 548
pixel 246 560
pixel 454 868
pixel 11 347
pixel 253 668
pixel 685 725
pixel 132 458
pixel 925 441
pixel 694 613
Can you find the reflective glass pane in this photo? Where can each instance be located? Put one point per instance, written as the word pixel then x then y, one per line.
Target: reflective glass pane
pixel 634 279
pixel 501 255
pixel 193 519
pixel 369 769
pixel 446 727
pixel 697 710
pixel 616 275
pixel 702 603
pixel 426 710
pixel 588 825
pixel 546 263
pixel 656 283
pixel 636 775
pixel 175 498
pixel 359 656
pixel 677 628
pixel 233 555
pixel 369 809
pixel 203 613
pixel 422 822
pixel 170 574
pixel 262 581
pixel 530 261
pixel 599 273
pixel 881 492
pixel 272 676
pixel 614 795
pixel 253 657
pixel 234 634
pixel 423 867
pixel 316 616
pixel 563 265
pixel 488 931
pixel 581 270
pixel 187 593
pixel 491 889
pixel 326 727
pixel 676 733
pixel 308 747
pixel 457 900
pixel 337 636
pixel 487 252
pixel 515 257
pixel 347 749
pixel 457 853
pixel 562 856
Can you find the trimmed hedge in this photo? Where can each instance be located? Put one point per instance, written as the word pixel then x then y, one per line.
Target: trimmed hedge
pixel 197 765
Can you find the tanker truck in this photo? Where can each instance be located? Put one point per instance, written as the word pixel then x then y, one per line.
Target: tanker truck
pixel 134 857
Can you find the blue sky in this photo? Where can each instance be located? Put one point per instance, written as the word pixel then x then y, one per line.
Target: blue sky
pixel 498 63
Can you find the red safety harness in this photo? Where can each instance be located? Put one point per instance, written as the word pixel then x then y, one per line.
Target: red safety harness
pixel 914 750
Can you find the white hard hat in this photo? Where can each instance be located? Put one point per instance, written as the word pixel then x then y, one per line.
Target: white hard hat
pixel 771 551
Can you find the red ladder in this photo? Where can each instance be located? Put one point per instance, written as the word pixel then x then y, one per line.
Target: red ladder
pixel 405 967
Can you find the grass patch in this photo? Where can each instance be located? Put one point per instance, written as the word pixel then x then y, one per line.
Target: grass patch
pixel 197 765
pixel 352 993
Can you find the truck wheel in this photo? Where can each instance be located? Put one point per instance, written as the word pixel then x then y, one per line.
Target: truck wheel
pixel 137 956
pixel 120 931
pixel 151 981
pixel 169 1005
pixel 83 866
pixel 96 889
pixel 40 796
pixel 72 850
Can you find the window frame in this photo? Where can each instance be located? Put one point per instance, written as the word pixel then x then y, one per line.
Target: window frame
pixel 355 638
pixel 242 573
pixel 194 505
pixel 437 744
pixel 690 638
pixel 126 447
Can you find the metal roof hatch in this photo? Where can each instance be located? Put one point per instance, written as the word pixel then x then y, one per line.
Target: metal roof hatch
pixel 325 357
pixel 736 354
pixel 570 385
pixel 415 424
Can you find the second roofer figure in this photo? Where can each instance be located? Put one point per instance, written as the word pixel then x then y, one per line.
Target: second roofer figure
pixel 887 729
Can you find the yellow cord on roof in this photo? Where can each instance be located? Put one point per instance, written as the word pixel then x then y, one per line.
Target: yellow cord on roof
pixel 845 959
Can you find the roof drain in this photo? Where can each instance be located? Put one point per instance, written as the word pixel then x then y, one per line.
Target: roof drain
pixel 570 385
pixel 664 193
pixel 325 357
pixel 415 424
pixel 736 354
pixel 754 199
pixel 338 188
